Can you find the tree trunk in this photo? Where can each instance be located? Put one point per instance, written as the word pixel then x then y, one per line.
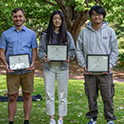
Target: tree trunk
pixel 74 33
pixel 74 19
pixel 74 28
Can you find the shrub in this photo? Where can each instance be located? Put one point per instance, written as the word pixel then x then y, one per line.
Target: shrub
pixel 121 43
pixel 121 58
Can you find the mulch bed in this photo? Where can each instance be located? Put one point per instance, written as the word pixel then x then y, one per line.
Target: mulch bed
pixel 76 72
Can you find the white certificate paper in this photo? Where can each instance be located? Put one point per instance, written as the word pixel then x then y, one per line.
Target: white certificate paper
pixel 98 63
pixel 57 52
pixel 19 62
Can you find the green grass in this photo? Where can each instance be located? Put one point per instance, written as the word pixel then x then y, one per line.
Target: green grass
pixel 77 104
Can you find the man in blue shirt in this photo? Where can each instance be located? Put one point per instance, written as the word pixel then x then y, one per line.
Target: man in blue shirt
pixel 19 40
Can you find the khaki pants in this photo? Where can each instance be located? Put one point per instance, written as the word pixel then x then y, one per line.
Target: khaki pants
pixel 62 77
pixel 104 83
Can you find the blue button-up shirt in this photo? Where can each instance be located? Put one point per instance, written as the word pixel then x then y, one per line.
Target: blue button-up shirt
pixel 18 42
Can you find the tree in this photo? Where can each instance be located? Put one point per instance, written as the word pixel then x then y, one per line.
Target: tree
pixel 76 12
pixel 38 12
pixel 115 15
pixel 74 15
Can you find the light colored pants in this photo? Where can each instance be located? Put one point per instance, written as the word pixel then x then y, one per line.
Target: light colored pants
pixel 62 77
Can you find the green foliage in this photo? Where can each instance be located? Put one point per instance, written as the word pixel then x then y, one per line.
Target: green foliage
pixel 77 104
pixel 121 43
pixel 121 58
pixel 80 5
pixel 115 15
pixel 38 12
pixel 119 28
pixel 5 16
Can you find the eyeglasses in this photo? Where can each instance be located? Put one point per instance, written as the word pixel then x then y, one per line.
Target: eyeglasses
pixel 99 15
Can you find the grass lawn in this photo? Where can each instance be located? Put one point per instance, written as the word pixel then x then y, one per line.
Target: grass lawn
pixel 77 104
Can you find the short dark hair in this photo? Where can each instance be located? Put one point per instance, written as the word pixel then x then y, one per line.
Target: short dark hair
pixel 17 9
pixel 98 9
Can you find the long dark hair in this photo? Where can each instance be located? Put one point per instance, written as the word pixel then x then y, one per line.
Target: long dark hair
pixel 62 38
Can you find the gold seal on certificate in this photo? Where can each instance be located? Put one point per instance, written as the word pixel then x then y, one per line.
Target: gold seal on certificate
pixel 97 63
pixel 57 52
pixel 19 62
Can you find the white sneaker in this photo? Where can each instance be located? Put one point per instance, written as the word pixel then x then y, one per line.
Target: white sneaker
pixel 60 121
pixel 52 121
pixel 110 122
pixel 92 121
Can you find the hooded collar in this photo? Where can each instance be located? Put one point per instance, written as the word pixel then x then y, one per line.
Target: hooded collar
pixel 104 25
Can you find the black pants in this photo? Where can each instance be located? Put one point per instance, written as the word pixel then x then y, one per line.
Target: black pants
pixel 104 83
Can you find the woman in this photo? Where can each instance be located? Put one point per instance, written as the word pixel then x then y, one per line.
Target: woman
pixel 56 33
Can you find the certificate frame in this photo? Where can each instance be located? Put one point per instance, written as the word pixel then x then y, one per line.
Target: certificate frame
pixel 19 61
pixel 97 63
pixel 57 52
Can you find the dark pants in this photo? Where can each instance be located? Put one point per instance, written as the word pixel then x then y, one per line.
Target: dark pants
pixel 104 83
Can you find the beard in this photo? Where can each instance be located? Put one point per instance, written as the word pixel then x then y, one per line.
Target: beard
pixel 19 25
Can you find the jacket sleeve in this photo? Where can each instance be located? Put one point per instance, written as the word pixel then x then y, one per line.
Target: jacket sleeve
pixel 71 47
pixel 114 49
pixel 42 47
pixel 80 51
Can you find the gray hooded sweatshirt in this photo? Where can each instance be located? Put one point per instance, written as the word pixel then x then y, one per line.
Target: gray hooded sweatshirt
pixel 103 41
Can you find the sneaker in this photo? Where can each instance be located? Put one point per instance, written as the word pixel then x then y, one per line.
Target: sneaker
pixel 52 121
pixel 110 122
pixel 60 121
pixel 92 121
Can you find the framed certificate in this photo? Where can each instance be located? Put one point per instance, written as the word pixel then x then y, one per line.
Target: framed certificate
pixel 97 63
pixel 57 52
pixel 19 61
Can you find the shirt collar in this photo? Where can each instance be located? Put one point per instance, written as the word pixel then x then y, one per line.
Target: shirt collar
pixel 23 28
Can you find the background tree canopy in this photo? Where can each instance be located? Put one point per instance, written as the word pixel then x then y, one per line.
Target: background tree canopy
pixel 38 12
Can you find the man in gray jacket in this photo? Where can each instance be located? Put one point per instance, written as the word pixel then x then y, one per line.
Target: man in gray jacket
pixel 98 38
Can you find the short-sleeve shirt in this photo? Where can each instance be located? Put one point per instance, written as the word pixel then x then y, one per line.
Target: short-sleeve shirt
pixel 18 42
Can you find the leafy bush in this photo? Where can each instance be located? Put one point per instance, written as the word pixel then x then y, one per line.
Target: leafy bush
pixel 121 43
pixel 121 58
